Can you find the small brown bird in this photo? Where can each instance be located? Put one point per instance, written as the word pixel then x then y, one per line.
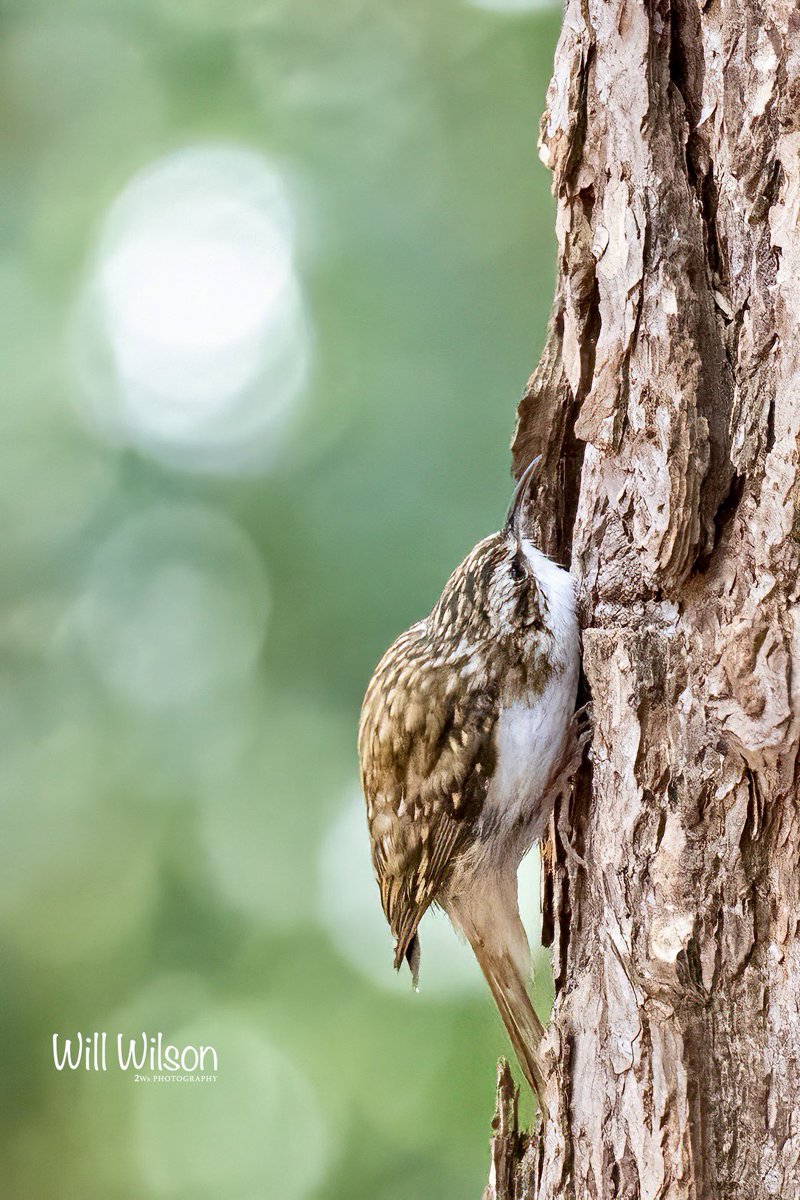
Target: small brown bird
pixel 466 730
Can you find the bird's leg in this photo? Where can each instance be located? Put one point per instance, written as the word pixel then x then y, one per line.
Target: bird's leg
pixel 578 738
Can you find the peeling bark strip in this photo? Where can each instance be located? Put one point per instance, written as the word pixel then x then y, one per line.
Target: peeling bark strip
pixel 667 408
pixel 512 1160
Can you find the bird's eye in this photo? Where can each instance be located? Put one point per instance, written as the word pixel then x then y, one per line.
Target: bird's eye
pixel 516 570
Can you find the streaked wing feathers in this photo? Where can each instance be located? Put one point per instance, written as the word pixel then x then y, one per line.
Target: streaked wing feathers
pixel 426 745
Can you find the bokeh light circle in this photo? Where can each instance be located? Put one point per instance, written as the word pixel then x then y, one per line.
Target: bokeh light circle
pixel 192 337
pixel 257 1130
pixel 255 820
pixel 349 909
pixel 70 888
pixel 175 606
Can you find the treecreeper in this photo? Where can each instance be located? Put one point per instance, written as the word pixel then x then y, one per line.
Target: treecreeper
pixel 467 734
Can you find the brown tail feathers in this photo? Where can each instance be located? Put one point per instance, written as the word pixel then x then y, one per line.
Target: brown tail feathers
pixel 524 1028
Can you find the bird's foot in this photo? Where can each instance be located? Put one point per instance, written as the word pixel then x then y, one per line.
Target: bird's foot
pixel 578 738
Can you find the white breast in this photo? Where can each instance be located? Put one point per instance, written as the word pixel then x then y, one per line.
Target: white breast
pixel 531 737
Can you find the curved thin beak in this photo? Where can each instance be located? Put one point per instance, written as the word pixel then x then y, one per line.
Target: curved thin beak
pixel 520 494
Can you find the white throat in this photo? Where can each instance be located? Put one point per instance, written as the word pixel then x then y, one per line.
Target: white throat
pixel 559 596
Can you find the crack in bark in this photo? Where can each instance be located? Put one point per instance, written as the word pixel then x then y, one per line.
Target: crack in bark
pixel 723 520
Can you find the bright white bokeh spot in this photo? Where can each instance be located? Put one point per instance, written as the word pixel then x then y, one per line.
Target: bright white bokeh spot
pixel 192 339
pixel 175 606
pixel 258 1130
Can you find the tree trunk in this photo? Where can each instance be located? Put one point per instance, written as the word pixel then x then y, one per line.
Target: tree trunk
pixel 667 407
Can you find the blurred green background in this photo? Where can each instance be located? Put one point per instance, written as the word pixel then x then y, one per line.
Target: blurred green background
pixel 273 277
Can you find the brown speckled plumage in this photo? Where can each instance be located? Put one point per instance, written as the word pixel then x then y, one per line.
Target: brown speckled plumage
pixel 426 741
pixel 462 731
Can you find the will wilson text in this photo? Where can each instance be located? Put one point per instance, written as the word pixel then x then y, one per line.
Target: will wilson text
pixel 145 1052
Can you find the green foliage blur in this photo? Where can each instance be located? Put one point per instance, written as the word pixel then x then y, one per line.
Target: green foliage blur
pixel 274 274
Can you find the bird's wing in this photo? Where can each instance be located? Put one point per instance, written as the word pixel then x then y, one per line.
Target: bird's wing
pixel 427 751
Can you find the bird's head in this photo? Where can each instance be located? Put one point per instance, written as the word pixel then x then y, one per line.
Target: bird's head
pixel 494 593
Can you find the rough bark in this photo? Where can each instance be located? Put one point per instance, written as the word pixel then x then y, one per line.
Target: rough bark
pixel 667 407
